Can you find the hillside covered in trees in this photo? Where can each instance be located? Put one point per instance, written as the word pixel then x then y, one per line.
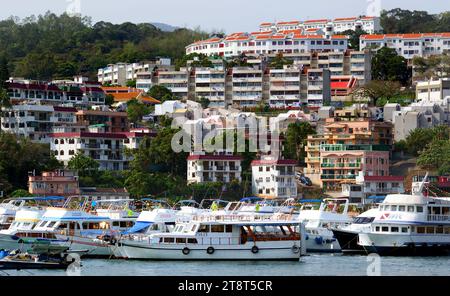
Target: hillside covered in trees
pixel 51 46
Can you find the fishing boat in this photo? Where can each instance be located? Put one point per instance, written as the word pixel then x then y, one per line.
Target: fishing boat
pixel 347 236
pixel 223 237
pixel 332 213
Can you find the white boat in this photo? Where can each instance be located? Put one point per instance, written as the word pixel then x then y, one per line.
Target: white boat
pixel 319 222
pixel 409 225
pixel 82 230
pixel 347 236
pixel 118 210
pixel 223 237
pixel 158 220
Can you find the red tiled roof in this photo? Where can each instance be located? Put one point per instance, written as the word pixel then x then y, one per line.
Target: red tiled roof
pixel 266 24
pixel 279 161
pixel 288 23
pixel 316 21
pixel 214 157
pixel 88 135
pixel 345 19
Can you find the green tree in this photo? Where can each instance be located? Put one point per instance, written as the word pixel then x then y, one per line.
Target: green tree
pixel 204 102
pixel 4 72
pixel 296 139
pixel 20 193
pixel 387 65
pixel 436 156
pixel 354 37
pixel 160 93
pixel 194 60
pixel 136 110
pixel 131 83
pixel 109 99
pixel 280 61
pixel 376 90
pixel 85 165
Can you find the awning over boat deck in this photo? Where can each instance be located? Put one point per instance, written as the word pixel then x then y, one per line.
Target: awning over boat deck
pixel 138 226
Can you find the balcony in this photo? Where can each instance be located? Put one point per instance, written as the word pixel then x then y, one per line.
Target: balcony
pixel 312 159
pixel 439 218
pixel 340 165
pixel 338 177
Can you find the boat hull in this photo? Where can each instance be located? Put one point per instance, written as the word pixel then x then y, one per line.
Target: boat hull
pixel 404 245
pixel 237 252
pixel 319 244
pixel 348 241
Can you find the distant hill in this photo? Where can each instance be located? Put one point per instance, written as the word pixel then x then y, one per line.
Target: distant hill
pixel 165 27
pixel 55 47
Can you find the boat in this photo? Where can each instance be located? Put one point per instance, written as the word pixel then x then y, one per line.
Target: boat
pixel 118 210
pixel 413 224
pixel 332 213
pixel 223 237
pixel 347 236
pixel 160 217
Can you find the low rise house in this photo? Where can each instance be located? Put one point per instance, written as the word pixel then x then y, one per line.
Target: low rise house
pixel 213 168
pixel 59 183
pixel 274 178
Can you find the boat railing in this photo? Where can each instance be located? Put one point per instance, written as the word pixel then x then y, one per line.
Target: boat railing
pixel 439 218
pixel 242 218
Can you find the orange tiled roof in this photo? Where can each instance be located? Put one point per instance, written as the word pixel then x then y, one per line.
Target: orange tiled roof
pixel 120 97
pixel 316 21
pixel 288 23
pixel 109 89
pixel 266 24
pixel 345 19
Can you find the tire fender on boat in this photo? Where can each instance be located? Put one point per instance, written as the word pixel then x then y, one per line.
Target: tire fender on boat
pixel 295 249
pixel 210 250
pixel 255 249
pixel 186 251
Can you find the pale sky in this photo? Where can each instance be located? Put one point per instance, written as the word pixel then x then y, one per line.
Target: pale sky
pixel 229 15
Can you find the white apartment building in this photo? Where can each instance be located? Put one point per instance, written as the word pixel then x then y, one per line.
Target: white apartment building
pixel 369 24
pixel 318 87
pixel 144 81
pixel 247 86
pixel 409 45
pixel 433 90
pixel 210 84
pixel 284 86
pixel 106 148
pixel 176 81
pixel 274 178
pixel 36 122
pixel 213 168
pixel 266 43
pixel 120 73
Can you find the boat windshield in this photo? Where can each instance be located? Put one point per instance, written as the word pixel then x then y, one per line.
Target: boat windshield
pixel 363 220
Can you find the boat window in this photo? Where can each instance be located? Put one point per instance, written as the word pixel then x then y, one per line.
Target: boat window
pixel 420 229
pixel 430 230
pixel 419 209
pixel 126 224
pixel 62 226
pixel 116 223
pixel 377 229
pixel 169 240
pixel 401 208
pixel 440 229
pixel 42 223
pixel 394 229
pixel 393 208
pixel 203 228
pixel 229 228
pixel 217 228
pixel 194 227
pixel 51 224
pixel 192 241
pixel 404 229
pixel 181 240
pixel 411 209
pixel 154 227
pixel 384 229
pixel 447 230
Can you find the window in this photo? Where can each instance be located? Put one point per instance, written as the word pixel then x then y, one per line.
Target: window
pixel 411 209
pixel 404 229
pixel 180 240
pixel 394 229
pixel 419 209
pixel 401 208
pixel 420 229
pixel 384 229
pixel 377 229
pixel 217 228
pixel 192 241
pixel 430 230
pixel 169 240
pixel 229 228
pixel 203 228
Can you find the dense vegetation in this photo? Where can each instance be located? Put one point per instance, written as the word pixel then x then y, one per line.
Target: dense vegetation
pixel 400 21
pixel 51 46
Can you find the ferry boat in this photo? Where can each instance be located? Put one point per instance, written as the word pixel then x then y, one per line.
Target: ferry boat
pixel 347 236
pixel 158 220
pixel 82 230
pixel 223 237
pixel 118 210
pixel 319 222
pixel 409 225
